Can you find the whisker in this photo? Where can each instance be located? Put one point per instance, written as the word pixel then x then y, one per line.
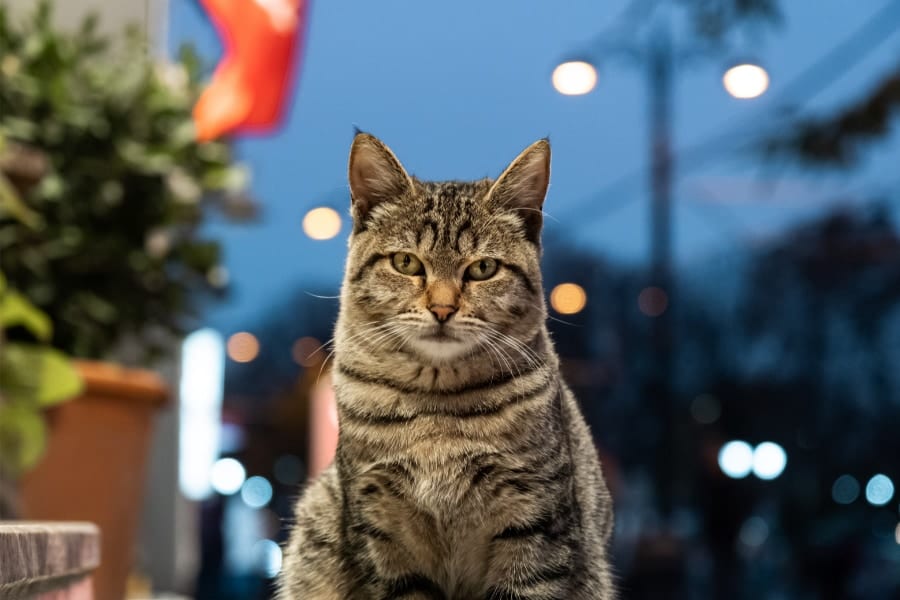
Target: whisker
pixel 543 212
pixel 322 297
pixel 367 329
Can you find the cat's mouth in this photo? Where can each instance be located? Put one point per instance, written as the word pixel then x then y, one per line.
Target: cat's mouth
pixel 440 336
pixel 439 345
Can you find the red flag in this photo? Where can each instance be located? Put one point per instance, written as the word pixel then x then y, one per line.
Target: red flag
pixel 249 88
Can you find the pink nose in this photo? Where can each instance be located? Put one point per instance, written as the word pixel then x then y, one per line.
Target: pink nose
pixel 442 311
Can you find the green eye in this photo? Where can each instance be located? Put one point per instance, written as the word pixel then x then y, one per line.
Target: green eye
pixel 482 269
pixel 407 264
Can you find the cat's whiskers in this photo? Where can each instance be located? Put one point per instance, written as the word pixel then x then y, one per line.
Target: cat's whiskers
pixel 552 318
pixel 367 329
pixel 490 334
pixel 330 340
pixel 531 357
pixel 510 360
pixel 501 357
pixel 537 210
pixel 492 355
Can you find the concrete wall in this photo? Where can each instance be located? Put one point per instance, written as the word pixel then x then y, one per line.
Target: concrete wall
pixel 149 15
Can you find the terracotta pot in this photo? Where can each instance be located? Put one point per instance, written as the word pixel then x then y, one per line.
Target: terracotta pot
pixel 94 466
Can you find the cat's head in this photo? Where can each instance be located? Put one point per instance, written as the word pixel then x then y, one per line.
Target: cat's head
pixel 443 269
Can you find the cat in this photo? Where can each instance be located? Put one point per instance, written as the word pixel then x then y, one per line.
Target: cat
pixel 464 468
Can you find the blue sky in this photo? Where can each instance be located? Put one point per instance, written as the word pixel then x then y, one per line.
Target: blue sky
pixel 458 89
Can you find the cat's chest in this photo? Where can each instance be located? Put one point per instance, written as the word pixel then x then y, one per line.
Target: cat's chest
pixel 451 488
pixel 442 489
pixel 446 505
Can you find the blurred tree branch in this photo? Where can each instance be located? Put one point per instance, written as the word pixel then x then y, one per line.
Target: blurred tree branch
pixel 713 19
pixel 835 140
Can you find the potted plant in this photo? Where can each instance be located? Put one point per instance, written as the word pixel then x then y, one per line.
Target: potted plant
pixel 33 378
pixel 111 250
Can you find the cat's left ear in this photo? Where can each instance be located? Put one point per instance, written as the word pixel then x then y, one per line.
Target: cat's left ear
pixel 375 176
pixel 522 187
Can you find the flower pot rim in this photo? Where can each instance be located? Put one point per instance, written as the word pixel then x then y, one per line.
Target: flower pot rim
pixel 110 380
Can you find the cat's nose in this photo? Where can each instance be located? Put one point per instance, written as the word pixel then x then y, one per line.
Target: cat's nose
pixel 442 312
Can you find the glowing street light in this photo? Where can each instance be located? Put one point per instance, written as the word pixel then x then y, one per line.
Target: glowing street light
pixel 322 223
pixel 568 298
pixel 736 459
pixel 746 81
pixel 574 78
pixel 769 460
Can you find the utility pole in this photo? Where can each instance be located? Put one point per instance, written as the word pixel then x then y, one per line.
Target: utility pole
pixel 659 65
pixel 656 54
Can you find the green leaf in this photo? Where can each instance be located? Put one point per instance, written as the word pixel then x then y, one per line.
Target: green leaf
pixel 36 376
pixel 15 310
pixel 22 437
pixel 11 204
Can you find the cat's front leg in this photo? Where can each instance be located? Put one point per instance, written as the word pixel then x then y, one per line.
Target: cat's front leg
pixel 544 558
pixel 524 564
pixel 313 567
pixel 389 570
pixel 393 542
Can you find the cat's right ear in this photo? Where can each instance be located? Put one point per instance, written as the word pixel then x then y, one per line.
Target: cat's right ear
pixel 375 175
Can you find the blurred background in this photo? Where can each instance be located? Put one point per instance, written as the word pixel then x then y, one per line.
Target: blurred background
pixel 721 261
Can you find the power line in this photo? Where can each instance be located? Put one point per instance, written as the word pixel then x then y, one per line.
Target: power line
pixel 816 77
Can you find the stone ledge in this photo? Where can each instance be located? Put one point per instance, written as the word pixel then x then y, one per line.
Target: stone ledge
pixel 37 557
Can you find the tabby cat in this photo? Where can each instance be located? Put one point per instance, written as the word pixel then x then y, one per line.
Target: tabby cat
pixel 464 468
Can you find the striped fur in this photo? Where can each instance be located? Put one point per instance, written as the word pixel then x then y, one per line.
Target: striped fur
pixel 464 468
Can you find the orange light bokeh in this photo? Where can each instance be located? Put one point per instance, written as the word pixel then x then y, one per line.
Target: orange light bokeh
pixel 242 347
pixel 307 351
pixel 568 298
pixel 653 301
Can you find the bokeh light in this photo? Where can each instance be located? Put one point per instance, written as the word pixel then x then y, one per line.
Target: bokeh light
pixel 218 276
pixel 879 490
pixel 568 298
pixel 227 476
pixel 242 347
pixel 200 410
pixel 256 492
pixel 231 438
pixel 574 78
pixel 746 81
pixel 322 223
pixel 754 532
pixel 736 459
pixel 769 460
pixel 653 301
pixel 845 489
pixel 706 409
pixel 307 351
pixel 289 469
pixel 897 533
pixel 268 556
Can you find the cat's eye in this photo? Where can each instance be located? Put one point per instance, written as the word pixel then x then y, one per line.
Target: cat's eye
pixel 482 269
pixel 407 264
